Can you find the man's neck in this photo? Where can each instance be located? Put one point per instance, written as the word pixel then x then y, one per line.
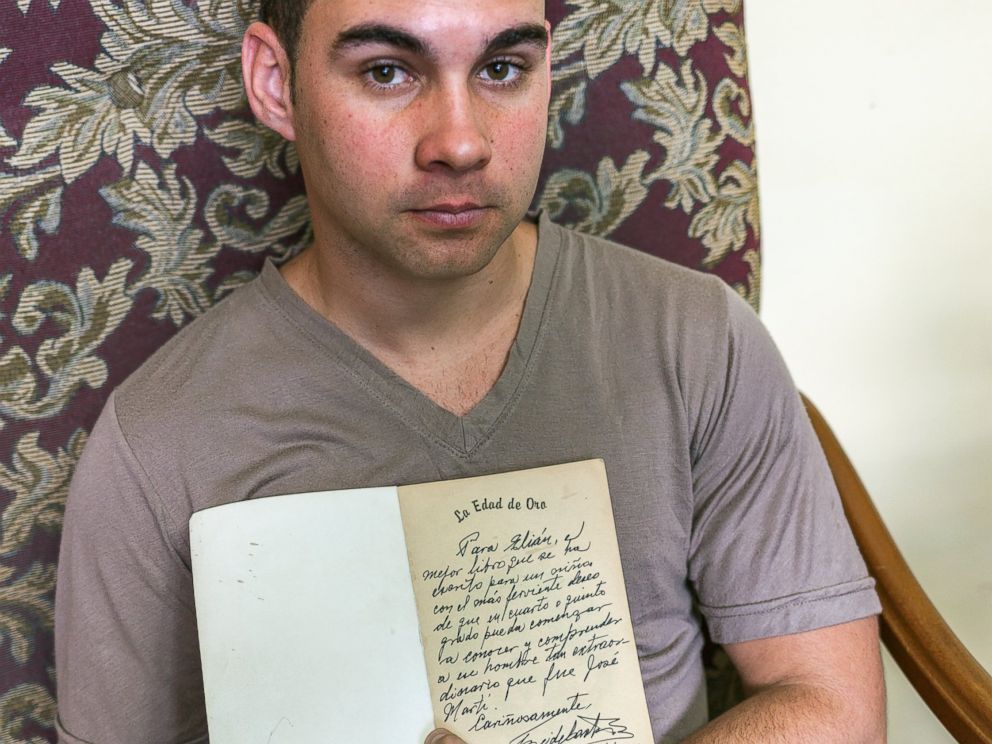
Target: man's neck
pixel 449 338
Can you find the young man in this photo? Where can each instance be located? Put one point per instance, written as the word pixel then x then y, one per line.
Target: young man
pixel 432 331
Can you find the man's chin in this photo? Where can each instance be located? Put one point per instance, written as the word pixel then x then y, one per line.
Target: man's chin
pixel 452 254
pixel 448 268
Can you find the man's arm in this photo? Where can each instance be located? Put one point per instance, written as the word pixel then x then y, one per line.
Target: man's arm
pixel 821 686
pixel 127 661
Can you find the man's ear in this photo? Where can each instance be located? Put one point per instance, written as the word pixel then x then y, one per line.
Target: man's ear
pixel 266 71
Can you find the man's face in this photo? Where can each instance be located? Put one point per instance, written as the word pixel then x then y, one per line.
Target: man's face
pixel 420 126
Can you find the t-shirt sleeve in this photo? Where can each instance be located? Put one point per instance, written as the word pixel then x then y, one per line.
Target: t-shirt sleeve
pixel 127 661
pixel 771 552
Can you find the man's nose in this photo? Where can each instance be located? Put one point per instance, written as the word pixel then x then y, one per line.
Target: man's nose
pixel 455 135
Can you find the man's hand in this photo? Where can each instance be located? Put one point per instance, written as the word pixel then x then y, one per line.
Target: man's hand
pixel 440 736
pixel 823 686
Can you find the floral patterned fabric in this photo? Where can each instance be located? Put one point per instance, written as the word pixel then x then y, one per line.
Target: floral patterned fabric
pixel 135 191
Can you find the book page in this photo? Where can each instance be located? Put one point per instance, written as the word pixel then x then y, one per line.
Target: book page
pixel 307 622
pixel 523 611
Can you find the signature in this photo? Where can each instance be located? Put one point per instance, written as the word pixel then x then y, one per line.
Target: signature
pixel 589 729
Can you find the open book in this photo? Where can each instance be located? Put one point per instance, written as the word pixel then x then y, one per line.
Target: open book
pixel 492 606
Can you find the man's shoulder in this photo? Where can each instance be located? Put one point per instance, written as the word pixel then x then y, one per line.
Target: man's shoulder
pixel 637 280
pixel 197 367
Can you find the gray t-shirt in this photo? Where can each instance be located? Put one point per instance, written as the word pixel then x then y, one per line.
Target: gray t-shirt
pixel 724 506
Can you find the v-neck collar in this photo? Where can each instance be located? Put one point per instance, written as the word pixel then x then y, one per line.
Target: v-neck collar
pixel 463 435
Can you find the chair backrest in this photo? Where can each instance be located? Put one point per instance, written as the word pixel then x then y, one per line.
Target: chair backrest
pixel 135 191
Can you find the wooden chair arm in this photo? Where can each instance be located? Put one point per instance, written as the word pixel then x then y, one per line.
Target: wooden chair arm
pixel 949 679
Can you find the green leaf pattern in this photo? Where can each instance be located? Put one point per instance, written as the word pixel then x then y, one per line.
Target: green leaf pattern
pixel 254 147
pixel 601 203
pixel 722 223
pixel 42 214
pixel 84 316
pixel 602 32
pixel 94 114
pixel 674 102
pixel 39 481
pixel 22 704
pixel 25 607
pixel 160 209
pixel 228 206
pixel 163 65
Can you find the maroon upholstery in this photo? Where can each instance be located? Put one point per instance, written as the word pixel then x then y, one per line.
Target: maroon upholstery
pixel 135 191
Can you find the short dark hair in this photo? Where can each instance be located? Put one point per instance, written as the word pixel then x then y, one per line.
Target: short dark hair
pixel 286 19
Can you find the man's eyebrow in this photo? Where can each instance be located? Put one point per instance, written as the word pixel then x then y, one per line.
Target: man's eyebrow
pixel 379 33
pixel 526 33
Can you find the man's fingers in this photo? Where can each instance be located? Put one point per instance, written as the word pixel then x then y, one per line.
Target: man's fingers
pixel 440 736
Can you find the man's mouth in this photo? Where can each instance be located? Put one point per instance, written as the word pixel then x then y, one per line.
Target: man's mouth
pixel 451 215
pixel 452 207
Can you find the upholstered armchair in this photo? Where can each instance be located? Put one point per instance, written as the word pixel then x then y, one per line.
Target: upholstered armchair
pixel 136 191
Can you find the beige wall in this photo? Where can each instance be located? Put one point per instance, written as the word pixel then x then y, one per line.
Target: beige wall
pixel 874 129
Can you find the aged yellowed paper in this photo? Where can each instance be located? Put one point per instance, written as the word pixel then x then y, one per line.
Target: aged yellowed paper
pixel 523 613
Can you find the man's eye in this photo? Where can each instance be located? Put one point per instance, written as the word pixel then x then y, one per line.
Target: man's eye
pixel 387 75
pixel 501 72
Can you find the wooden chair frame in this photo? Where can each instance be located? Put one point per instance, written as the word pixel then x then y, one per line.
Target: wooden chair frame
pixel 950 680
